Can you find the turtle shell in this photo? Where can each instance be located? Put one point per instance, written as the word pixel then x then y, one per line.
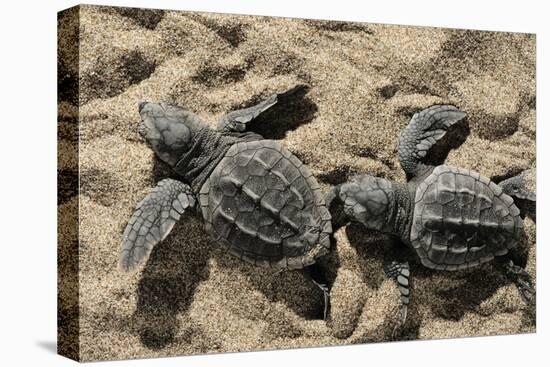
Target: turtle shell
pixel 264 206
pixel 462 219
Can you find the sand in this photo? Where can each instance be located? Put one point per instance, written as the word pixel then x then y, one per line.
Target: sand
pixel 365 82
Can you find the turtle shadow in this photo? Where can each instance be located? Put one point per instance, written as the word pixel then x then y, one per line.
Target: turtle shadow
pixel 289 287
pixel 293 109
pixel 455 137
pixel 168 282
pixel 472 288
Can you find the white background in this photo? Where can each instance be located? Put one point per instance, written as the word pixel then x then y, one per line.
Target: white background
pixel 28 182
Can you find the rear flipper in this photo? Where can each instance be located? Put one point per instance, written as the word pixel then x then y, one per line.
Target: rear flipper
pixel 153 219
pixel 515 187
pixel 424 130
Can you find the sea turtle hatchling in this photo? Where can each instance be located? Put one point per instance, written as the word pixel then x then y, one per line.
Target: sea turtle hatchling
pixel 452 218
pixel 257 199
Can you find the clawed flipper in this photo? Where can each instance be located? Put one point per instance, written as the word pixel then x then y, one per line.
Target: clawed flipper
pixel 400 273
pixel 153 220
pixel 424 130
pixel 522 280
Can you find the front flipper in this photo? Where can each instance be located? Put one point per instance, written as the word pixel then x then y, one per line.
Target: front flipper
pixel 239 119
pixel 153 220
pixel 400 273
pixel 425 128
pixel 515 186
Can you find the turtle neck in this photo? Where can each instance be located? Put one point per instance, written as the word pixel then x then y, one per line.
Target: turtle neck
pixel 208 149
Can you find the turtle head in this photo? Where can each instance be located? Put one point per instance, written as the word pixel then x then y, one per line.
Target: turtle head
pixel 168 129
pixel 368 200
pixel 516 187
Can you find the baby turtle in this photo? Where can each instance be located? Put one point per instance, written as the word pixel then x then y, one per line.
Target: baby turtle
pixel 257 199
pixel 452 218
